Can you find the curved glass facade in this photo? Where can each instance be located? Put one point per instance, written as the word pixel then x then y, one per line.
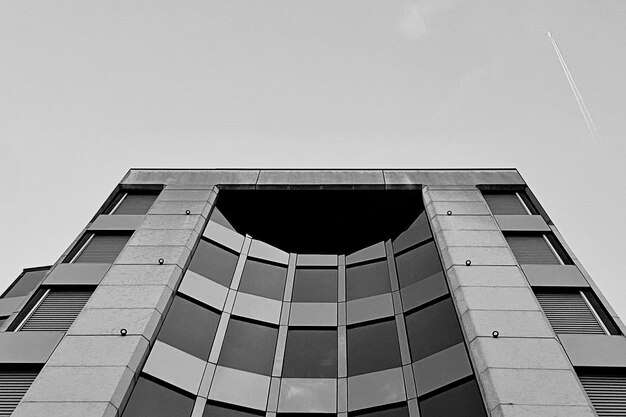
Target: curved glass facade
pixel 269 319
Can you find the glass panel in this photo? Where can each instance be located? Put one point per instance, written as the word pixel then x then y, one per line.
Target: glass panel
pixel 311 353
pixel 367 279
pixel 373 347
pixel 417 264
pixel 228 410
pixel 400 410
pixel 249 346
pixel 25 283
pixel 189 327
pixel 315 285
pixel 433 329
pixel 461 401
pixel 214 262
pixel 155 400
pixel 264 279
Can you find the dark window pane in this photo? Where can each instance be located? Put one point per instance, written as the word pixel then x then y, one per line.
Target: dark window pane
pixel 373 347
pixel 418 232
pixel 102 248
pixel 155 400
pixel 190 327
pixel 227 410
pixel 461 401
pixel 417 264
pixel 367 279
pixel 136 204
pixel 249 347
pixel 433 329
pixel 264 279
pixel 214 262
pixel 400 410
pixel 26 282
pixel 505 204
pixel 311 354
pixel 315 285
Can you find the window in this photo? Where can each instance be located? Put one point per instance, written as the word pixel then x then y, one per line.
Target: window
pixel 134 202
pixel 367 279
pixel 190 327
pixel 460 401
pixel 394 410
pixel 537 249
pixel 315 285
pixel 373 347
pixel 153 399
pixel 214 262
pixel 28 280
pixel 263 279
pixel 99 248
pixel 53 309
pixel 417 263
pixel 433 329
pixel 310 353
pixel 14 382
pixel 249 346
pixel 511 203
pixel 606 390
pixel 213 409
pixel 575 312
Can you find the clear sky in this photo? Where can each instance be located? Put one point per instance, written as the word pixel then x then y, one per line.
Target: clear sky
pixel 91 88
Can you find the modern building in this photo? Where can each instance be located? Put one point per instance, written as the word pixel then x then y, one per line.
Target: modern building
pixel 197 293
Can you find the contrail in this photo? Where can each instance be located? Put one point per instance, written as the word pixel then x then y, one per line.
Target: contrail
pixel 579 98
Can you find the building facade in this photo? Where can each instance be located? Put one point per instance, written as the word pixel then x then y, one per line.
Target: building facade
pixel 427 293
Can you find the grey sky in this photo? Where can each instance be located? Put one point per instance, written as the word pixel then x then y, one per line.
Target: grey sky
pixel 90 88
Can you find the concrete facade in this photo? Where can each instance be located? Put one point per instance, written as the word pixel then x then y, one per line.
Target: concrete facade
pixel 526 370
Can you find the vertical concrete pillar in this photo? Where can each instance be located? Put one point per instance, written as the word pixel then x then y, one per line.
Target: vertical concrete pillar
pixel 92 371
pixel 524 371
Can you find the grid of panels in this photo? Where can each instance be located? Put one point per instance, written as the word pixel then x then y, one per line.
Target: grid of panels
pixel 315 334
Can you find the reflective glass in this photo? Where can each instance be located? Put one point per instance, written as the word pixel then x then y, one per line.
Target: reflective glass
pixel 228 410
pixel 461 401
pixel 26 282
pixel 189 327
pixel 433 329
pixel 398 410
pixel 249 346
pixel 311 353
pixel 373 347
pixel 214 262
pixel 155 400
pixel 315 285
pixel 263 279
pixel 417 264
pixel 367 279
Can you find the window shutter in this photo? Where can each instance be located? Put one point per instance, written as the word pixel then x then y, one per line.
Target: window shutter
pixel 532 250
pixel 13 386
pixel 135 204
pixel 568 312
pixel 102 249
pixel 505 204
pixel 57 311
pixel 607 393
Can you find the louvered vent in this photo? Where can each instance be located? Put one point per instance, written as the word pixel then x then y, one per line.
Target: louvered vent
pixel 569 313
pixel 607 393
pixel 532 250
pixel 102 249
pixel 13 386
pixel 135 204
pixel 505 204
pixel 57 311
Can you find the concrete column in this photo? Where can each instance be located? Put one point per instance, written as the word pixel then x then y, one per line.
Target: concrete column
pixel 92 371
pixel 524 371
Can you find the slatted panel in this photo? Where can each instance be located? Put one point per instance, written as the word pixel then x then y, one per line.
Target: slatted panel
pixel 569 313
pixel 102 249
pixel 532 250
pixel 13 386
pixel 57 311
pixel 607 393
pixel 136 204
pixel 505 204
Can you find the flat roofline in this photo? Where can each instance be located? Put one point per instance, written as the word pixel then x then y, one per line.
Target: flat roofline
pixel 323 169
